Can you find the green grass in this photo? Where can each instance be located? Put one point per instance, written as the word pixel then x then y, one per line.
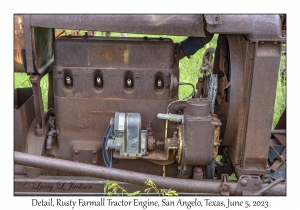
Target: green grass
pixel 21 80
pixel 280 100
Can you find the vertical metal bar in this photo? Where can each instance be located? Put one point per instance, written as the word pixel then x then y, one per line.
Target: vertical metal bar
pixel 261 105
pixel 38 104
pixel 28 42
pixel 50 91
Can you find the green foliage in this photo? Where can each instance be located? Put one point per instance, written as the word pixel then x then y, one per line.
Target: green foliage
pixel 112 188
pixel 21 80
pixel 160 192
pixel 280 100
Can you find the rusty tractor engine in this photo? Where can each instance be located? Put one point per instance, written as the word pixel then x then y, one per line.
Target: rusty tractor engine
pixel 114 112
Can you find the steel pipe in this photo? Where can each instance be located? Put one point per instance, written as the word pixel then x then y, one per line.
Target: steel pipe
pixel 278 131
pixel 83 169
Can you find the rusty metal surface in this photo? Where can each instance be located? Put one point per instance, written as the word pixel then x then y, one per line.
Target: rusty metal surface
pixel 43 45
pixel 199 133
pixel 66 185
pixel 255 27
pixel 220 68
pixel 83 110
pixel 281 138
pixel 260 115
pixel 198 173
pixel 113 53
pixel 238 95
pixel 248 185
pixel 81 169
pixel 28 42
pixel 225 186
pixel 252 76
pixel 35 145
pixel 38 104
pixel 23 116
pixel 38 45
pixel 84 128
pixel 216 141
pixel 282 121
pixel 18 44
pixel 180 25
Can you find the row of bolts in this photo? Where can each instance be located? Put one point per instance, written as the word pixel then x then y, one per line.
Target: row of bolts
pixel 99 82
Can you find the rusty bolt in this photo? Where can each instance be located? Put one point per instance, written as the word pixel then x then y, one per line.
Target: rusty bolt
pixel 94 152
pixel 257 183
pixel 76 152
pixel 159 83
pixel 244 182
pixel 68 80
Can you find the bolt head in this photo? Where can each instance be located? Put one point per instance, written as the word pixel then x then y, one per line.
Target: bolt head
pixel 225 187
pixel 257 183
pixel 129 82
pixel 76 152
pixel 159 83
pixel 198 170
pixel 94 152
pixel 244 182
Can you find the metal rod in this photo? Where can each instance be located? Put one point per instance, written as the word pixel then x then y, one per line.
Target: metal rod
pixel 277 153
pixel 268 187
pixel 199 186
pixel 278 131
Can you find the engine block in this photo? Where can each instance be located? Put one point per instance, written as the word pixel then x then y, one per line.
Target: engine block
pixel 91 85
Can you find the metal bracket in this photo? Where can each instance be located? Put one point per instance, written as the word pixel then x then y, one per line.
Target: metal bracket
pixel 224 186
pixel 248 185
pixel 213 19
